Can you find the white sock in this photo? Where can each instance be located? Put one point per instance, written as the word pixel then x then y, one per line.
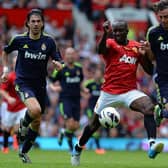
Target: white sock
pixel 151 141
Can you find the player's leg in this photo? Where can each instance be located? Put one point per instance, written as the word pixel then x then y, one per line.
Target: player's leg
pixel 87 133
pixel 5 131
pixel 161 109
pixel 104 100
pixel 18 116
pixel 33 111
pixel 30 139
pixel 143 104
pixel 6 134
pixel 70 109
pixel 35 104
pixel 73 123
pixel 61 133
pixel 71 126
pixel 29 97
pixel 96 135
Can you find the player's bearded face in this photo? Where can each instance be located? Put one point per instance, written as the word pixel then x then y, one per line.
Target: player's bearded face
pixel 35 24
pixel 163 15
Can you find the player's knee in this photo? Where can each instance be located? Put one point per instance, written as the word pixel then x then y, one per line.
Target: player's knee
pixel 76 125
pixel 72 125
pixel 148 109
pixel 35 111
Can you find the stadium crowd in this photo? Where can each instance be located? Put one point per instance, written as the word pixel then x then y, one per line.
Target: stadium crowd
pixel 68 36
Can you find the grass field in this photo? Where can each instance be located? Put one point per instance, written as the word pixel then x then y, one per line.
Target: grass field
pixel 59 159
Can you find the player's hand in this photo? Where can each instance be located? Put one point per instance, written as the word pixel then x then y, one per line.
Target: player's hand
pixel 144 47
pixel 11 100
pixel 85 90
pixel 58 65
pixel 55 87
pixel 107 27
pixel 4 77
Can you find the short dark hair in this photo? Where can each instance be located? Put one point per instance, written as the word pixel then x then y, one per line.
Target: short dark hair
pixel 34 12
pixel 161 5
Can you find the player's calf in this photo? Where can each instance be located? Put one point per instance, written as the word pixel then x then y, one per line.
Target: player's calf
pixel 158 115
pixel 22 132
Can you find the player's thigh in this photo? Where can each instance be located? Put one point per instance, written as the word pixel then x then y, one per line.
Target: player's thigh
pixel 76 110
pixel 30 95
pixel 33 105
pixel 143 105
pixel 105 100
pixel 75 114
pixel 65 109
pixel 129 97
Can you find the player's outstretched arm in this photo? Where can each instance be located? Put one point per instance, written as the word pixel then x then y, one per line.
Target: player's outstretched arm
pixel 5 94
pixel 5 67
pixel 102 48
pixel 146 57
pixel 58 65
pixel 147 64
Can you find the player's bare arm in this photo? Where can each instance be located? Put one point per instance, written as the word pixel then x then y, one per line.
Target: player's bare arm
pixel 11 100
pixel 58 65
pixel 145 45
pixel 146 57
pixel 102 47
pixel 5 67
pixel 147 64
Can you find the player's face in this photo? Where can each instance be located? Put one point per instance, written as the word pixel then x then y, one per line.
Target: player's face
pixel 120 33
pixel 163 16
pixel 35 24
pixel 70 56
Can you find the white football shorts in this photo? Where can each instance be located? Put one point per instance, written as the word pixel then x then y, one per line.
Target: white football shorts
pixel 10 119
pixel 105 99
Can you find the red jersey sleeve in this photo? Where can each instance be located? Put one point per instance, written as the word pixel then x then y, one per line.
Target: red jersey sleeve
pixel 111 43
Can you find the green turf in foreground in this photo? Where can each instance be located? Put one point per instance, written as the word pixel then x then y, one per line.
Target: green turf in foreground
pixel 59 159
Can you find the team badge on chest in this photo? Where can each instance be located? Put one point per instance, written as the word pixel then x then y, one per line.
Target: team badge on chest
pixel 43 47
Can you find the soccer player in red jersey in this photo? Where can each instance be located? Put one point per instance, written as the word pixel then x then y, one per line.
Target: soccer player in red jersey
pixel 12 110
pixel 121 57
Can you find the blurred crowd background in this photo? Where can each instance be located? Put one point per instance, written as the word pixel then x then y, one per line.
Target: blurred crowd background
pixel 68 34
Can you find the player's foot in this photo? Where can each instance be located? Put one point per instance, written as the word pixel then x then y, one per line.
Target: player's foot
pixel 60 137
pixel 158 117
pixel 24 157
pixel 5 150
pixel 155 149
pixel 100 151
pixel 75 158
pixel 22 132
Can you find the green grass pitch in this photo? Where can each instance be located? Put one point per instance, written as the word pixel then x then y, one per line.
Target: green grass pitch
pixel 61 159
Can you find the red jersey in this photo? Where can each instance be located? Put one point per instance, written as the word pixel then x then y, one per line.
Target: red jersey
pixel 121 66
pixel 10 88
